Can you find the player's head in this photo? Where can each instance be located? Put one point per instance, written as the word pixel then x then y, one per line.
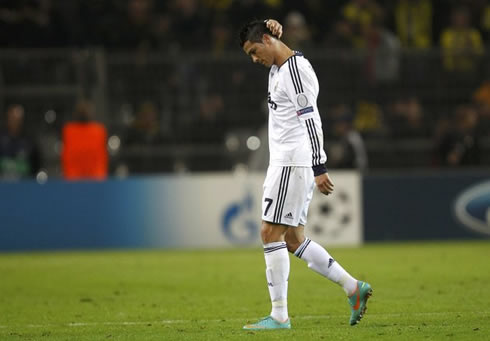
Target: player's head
pixel 258 42
pixel 84 111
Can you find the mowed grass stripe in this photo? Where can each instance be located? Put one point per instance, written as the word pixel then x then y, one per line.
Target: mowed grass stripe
pixel 421 291
pixel 136 323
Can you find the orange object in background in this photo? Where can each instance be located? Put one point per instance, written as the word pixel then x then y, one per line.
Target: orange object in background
pixel 84 153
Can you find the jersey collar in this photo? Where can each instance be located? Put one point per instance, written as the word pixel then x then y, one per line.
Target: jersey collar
pixel 296 53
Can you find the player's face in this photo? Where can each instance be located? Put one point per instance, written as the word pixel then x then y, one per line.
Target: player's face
pixel 259 52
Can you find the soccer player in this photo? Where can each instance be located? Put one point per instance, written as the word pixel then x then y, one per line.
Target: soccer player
pixel 297 163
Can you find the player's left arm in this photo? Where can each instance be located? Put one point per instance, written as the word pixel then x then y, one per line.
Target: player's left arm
pixel 301 88
pixel 324 183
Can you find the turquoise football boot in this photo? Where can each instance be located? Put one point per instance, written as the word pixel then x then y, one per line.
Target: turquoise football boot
pixel 358 301
pixel 268 323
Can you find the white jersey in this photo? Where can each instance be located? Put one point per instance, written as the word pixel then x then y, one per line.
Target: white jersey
pixel 295 127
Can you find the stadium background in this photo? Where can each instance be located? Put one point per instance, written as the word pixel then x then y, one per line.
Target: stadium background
pixel 164 244
pixel 405 98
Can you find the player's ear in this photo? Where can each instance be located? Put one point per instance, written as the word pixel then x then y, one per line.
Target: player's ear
pixel 266 39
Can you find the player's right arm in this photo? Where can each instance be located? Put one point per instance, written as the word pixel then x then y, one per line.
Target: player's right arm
pixel 275 27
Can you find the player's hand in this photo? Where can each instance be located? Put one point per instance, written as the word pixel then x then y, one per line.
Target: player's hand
pixel 275 27
pixel 324 184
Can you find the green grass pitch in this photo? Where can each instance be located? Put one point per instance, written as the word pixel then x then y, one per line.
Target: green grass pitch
pixel 422 291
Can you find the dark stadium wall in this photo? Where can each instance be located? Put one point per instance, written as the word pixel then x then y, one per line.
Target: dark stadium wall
pixel 427 206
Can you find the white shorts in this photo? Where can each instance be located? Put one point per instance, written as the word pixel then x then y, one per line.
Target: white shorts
pixel 287 195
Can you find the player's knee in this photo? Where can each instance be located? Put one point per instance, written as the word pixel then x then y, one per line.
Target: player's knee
pixel 264 234
pixel 291 243
pixel 292 247
pixel 292 240
pixel 267 234
pixel 271 233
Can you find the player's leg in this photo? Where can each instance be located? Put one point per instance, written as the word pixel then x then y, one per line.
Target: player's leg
pixel 277 268
pixel 318 259
pixel 277 274
pixel 275 251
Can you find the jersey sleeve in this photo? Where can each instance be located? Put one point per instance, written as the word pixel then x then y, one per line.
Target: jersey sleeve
pixel 302 90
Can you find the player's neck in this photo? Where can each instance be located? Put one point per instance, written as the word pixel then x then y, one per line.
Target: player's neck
pixel 283 54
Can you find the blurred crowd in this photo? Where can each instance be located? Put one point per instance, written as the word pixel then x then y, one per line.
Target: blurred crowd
pixel 177 25
pixel 385 95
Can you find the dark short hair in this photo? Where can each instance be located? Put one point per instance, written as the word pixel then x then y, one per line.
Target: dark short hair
pixel 253 32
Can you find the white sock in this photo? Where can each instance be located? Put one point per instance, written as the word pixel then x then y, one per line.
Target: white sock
pixel 319 260
pixel 277 273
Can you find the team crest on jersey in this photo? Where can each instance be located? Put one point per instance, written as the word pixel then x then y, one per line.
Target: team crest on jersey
pixel 302 100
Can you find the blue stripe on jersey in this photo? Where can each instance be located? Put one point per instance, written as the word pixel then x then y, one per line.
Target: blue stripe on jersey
pixel 281 195
pixel 297 71
pixel 275 248
pixel 285 193
pixel 315 142
pixel 295 75
pixel 278 200
pixel 304 111
pixel 293 78
pixel 302 248
pixel 315 134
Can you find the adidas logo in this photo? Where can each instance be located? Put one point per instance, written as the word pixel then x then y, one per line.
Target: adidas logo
pixel 289 216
